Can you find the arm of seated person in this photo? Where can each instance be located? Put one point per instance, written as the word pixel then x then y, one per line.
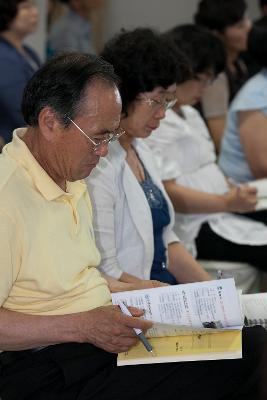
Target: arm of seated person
pixel 216 127
pixel 253 137
pixel 190 201
pixel 183 266
pixel 130 282
pixel 105 327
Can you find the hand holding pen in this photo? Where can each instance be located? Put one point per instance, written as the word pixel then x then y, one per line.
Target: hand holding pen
pixel 108 328
pixel 139 333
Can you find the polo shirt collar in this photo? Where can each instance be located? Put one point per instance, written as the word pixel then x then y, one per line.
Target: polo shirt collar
pixel 19 151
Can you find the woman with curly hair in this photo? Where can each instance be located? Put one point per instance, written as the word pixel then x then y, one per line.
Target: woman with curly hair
pixel 132 212
pixel 18 18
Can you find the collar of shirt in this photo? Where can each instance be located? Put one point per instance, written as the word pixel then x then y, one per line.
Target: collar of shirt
pixel 18 150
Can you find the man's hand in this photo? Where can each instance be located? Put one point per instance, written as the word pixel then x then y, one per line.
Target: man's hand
pixel 110 329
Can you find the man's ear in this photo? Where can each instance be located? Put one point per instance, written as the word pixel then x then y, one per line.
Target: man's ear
pixel 49 124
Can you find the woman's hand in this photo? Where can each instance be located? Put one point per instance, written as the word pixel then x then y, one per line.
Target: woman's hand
pixel 147 284
pixel 241 199
pixel 137 284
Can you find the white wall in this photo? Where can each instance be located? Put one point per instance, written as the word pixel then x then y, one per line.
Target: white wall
pixel 160 14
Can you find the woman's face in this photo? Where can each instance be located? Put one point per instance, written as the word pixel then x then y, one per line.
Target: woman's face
pixel 235 37
pixel 146 111
pixel 191 91
pixel 26 19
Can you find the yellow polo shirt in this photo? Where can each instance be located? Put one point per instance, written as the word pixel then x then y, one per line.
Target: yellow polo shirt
pixel 47 250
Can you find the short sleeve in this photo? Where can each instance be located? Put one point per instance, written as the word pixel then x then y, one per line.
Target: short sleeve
pixel 215 100
pixel 9 255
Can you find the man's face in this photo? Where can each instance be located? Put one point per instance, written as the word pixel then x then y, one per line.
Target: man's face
pixel 100 114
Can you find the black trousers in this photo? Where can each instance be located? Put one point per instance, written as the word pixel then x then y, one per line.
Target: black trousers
pixel 210 246
pixel 84 372
pixel 260 216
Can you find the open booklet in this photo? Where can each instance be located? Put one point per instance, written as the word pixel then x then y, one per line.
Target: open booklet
pixel 261 186
pixel 195 321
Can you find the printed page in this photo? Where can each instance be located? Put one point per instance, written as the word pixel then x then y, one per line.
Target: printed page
pixel 221 345
pixel 211 304
pixel 255 308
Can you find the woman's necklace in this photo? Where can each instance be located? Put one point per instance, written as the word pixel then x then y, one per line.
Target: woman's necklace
pixel 135 164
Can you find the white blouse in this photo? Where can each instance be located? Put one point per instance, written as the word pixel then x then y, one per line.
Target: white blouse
pixel 122 217
pixel 185 152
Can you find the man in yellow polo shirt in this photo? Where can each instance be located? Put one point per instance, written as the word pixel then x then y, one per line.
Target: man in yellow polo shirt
pixel 59 335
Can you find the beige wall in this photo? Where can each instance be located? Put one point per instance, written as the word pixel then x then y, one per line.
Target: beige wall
pixel 160 14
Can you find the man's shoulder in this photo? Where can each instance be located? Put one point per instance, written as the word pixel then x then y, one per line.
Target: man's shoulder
pixel 10 178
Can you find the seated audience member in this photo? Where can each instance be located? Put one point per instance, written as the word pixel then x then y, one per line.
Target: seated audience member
pixel 59 334
pixel 133 216
pixel 263 9
pixel 227 19
pixel 201 196
pixel 55 10
pixel 73 31
pixel 244 147
pixel 18 62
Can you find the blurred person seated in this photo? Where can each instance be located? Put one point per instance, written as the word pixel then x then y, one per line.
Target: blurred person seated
pixel 133 216
pixel 252 65
pixel 73 30
pixel 55 10
pixel 18 18
pixel 226 19
pixel 244 146
pixel 60 335
pixel 203 200
pixel 263 9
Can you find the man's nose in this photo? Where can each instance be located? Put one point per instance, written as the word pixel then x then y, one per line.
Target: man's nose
pixel 160 114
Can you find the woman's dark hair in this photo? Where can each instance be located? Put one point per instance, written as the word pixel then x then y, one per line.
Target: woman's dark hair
pixel 203 50
pixel 61 84
pixel 8 11
pixel 219 14
pixel 257 43
pixel 143 60
pixel 262 3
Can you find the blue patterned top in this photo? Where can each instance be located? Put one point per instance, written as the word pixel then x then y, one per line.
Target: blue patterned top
pixel 161 218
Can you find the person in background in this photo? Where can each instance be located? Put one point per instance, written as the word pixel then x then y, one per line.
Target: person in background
pixel 55 10
pixel 18 18
pixel 252 65
pixel 133 216
pixel 263 9
pixel 226 19
pixel 244 146
pixel 203 200
pixel 73 30
pixel 59 333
